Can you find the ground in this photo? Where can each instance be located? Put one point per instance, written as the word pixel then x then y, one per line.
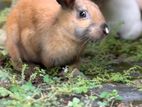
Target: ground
pixel 109 71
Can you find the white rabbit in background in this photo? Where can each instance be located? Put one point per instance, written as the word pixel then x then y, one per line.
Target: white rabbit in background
pixel 126 12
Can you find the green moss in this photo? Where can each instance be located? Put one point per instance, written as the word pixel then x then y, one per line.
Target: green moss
pixel 3 16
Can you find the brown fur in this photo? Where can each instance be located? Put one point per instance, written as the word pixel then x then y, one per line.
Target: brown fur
pixel 41 31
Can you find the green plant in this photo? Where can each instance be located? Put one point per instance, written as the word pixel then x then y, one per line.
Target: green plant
pixel 3 15
pixel 108 98
pixel 75 103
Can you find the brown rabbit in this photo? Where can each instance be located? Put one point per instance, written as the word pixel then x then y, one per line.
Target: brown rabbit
pixel 52 32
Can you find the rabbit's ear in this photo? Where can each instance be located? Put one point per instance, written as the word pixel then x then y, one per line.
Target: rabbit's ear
pixel 66 3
